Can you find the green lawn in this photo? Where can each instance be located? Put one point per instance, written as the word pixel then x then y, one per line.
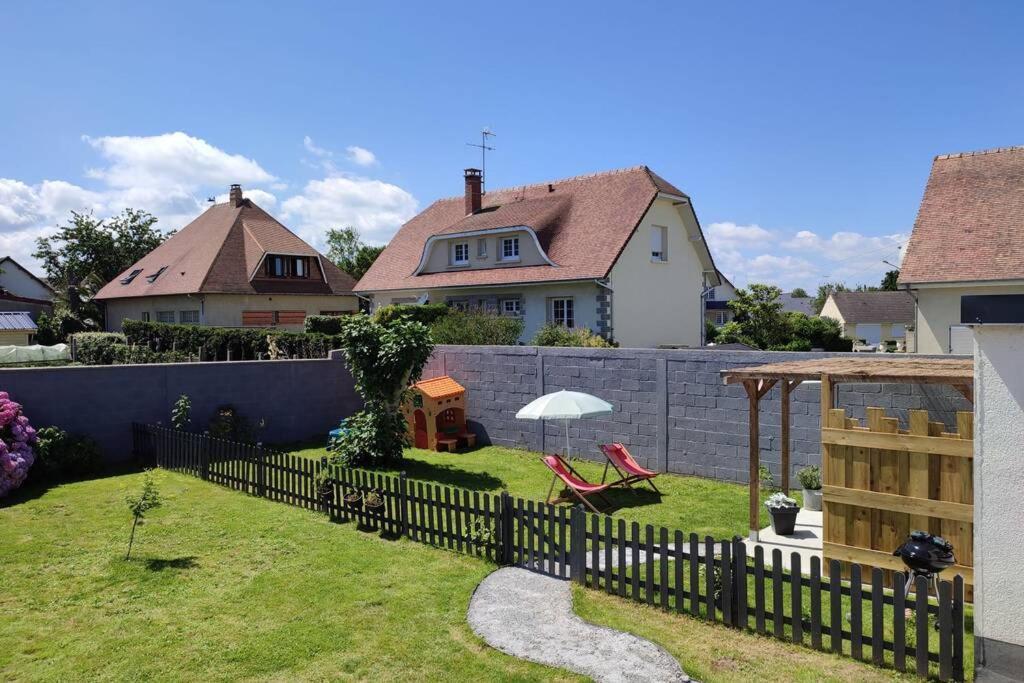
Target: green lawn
pixel 692 504
pixel 227 586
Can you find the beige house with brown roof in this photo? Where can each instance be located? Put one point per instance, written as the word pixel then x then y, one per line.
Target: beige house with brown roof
pixel 871 318
pixel 968 239
pixel 620 252
pixel 233 266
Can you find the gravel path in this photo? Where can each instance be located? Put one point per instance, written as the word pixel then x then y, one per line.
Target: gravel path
pixel 529 615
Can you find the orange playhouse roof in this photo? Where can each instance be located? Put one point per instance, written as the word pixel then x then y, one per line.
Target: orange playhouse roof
pixel 439 387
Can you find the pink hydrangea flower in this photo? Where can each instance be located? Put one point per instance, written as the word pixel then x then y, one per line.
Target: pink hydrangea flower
pixel 16 439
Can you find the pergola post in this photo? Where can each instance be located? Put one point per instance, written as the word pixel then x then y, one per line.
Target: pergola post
pixel 785 436
pixel 755 459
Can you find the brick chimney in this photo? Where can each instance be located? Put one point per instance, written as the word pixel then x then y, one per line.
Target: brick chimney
pixel 474 194
pixel 235 195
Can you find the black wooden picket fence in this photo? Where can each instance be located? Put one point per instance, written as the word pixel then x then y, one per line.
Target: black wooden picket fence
pixel 713 580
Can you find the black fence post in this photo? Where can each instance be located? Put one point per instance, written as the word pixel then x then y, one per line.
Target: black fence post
pixel 204 462
pixel 507 528
pixel 403 504
pixel 578 546
pixel 738 577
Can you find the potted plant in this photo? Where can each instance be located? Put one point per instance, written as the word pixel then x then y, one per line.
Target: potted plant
pixel 810 479
pixel 373 500
pixel 353 498
pixel 325 488
pixel 783 510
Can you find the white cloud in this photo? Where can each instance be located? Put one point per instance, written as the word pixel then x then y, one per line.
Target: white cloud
pixel 375 208
pixel 171 161
pixel 266 200
pixel 360 156
pixel 313 149
pixel 802 258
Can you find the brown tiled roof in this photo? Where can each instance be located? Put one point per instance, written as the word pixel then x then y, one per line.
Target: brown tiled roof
pixel 582 224
pixel 875 307
pixel 218 253
pixel 971 222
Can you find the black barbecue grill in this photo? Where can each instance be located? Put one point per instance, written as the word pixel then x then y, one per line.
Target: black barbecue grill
pixel 925 555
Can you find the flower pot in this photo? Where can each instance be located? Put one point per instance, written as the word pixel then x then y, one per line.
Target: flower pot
pixel 354 499
pixel 783 520
pixel 373 505
pixel 812 500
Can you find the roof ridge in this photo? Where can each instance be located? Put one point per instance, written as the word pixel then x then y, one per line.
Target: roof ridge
pixel 980 152
pixel 583 176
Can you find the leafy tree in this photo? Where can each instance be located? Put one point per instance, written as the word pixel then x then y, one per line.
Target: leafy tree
pixel 757 314
pixel 181 413
pixel 147 499
pixel 889 281
pixel 384 359
pixel 345 248
pixel 85 254
pixel 799 293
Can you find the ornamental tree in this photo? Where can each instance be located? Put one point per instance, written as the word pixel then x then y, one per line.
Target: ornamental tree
pixel 17 437
pixel 384 359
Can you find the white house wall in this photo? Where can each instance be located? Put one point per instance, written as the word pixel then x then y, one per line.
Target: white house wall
pixel 938 308
pixel 19 283
pixel 657 303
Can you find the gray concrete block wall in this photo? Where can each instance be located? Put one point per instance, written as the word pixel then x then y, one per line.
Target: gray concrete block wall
pixel 298 399
pixel 671 408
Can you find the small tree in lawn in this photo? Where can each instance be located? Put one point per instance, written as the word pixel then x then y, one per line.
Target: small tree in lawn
pixel 147 499
pixel 384 359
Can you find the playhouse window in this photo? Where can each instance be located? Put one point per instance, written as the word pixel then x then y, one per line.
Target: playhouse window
pixel 448 416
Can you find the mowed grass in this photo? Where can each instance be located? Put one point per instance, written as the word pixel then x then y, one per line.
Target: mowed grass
pixel 691 504
pixel 223 586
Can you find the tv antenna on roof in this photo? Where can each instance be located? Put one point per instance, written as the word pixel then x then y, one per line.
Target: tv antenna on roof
pixel 484 148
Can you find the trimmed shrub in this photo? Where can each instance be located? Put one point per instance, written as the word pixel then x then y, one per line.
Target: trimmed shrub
pixel 97 348
pixel 61 456
pixel 476 328
pixel 324 324
pixel 421 313
pixel 214 343
pixel 558 335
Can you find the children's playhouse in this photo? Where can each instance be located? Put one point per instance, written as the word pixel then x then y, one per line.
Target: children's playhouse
pixel 435 414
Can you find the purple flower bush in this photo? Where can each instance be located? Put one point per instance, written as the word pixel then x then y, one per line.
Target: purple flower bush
pixel 16 440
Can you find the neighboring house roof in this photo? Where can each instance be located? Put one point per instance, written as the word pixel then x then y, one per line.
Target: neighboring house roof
pixel 581 223
pixel 219 252
pixel 7 261
pixel 875 307
pixel 797 304
pixel 970 225
pixel 16 320
pixel 439 387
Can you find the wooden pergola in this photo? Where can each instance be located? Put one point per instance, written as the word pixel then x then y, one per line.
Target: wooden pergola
pixel 759 380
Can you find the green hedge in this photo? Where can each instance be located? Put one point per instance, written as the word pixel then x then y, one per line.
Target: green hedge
pixel 112 348
pixel 557 335
pixel 421 313
pixel 324 324
pixel 476 328
pixel 214 343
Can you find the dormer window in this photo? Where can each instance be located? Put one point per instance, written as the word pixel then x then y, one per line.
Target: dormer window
pixel 131 276
pixel 152 278
pixel 287 267
pixel 510 249
pixel 460 254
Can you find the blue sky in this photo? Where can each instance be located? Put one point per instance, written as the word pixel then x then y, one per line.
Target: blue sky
pixel 803 131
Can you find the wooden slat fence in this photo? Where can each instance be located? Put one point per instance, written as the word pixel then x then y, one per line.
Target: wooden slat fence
pixel 881 483
pixel 714 580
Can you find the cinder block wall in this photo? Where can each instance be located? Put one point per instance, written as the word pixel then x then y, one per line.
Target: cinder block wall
pixel 298 399
pixel 671 408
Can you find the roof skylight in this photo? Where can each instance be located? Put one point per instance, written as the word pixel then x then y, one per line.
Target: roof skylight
pixel 131 276
pixel 152 278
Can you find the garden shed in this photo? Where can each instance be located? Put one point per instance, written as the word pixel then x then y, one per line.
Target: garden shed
pixel 880 480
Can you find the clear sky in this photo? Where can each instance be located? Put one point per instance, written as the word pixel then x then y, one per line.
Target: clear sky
pixel 804 131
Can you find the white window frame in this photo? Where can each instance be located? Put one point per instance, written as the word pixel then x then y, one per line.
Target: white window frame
pixel 509 249
pixel 481 248
pixel 568 317
pixel 659 244
pixel 182 315
pixel 515 311
pixel 459 304
pixel 145 316
pixel 711 294
pixel 721 318
pixel 460 246
pixel 160 315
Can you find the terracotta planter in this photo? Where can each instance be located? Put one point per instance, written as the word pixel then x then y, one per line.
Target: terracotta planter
pixel 783 520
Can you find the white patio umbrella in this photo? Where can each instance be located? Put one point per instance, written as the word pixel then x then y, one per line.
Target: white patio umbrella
pixel 565 405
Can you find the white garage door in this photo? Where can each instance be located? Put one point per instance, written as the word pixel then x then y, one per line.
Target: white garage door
pixel 961 340
pixel 872 333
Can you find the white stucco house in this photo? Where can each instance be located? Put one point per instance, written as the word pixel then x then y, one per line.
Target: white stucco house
pixel 23 291
pixel 619 252
pixel 968 239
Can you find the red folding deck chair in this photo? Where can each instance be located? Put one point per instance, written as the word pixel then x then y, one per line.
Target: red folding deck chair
pixel 629 471
pixel 580 487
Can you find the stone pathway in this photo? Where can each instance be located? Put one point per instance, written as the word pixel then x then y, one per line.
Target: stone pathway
pixel 529 615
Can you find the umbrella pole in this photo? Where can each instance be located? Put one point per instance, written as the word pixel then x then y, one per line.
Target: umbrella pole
pixel 568 451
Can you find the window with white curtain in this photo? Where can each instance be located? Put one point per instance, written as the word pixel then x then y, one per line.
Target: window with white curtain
pixel 659 243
